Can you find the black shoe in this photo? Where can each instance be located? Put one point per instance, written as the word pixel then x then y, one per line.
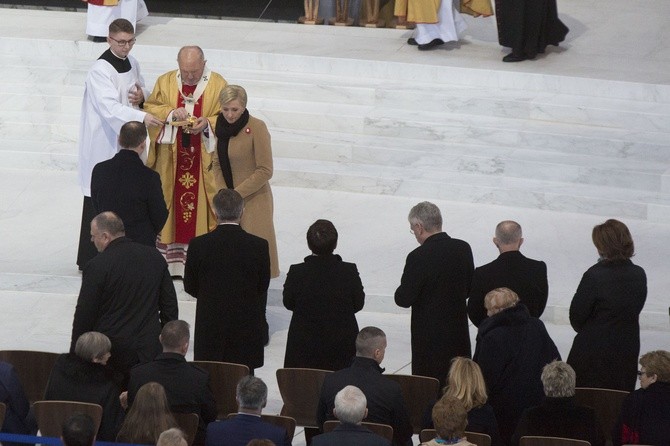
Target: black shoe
pixel 431 44
pixel 511 57
pixel 411 41
pixel 98 39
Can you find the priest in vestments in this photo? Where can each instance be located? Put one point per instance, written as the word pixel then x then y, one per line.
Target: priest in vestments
pixel 101 13
pixel 527 27
pixel 184 151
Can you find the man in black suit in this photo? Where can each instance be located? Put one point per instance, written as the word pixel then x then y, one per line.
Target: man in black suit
pixel 186 386
pixel 125 186
pixel 252 396
pixel 350 408
pixel 526 277
pixel 435 284
pixel 228 271
pixel 384 400
pixel 126 293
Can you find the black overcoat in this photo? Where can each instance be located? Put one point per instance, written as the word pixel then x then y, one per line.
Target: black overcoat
pixel 73 379
pixel 324 294
pixel 526 277
pixel 124 185
pixel 127 294
pixel 435 284
pixel 512 348
pixel 228 272
pixel 605 313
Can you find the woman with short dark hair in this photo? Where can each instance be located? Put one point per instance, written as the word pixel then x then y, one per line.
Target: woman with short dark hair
pixel 605 313
pixel 324 294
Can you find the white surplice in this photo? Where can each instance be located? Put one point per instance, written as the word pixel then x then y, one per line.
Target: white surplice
pixel 104 109
pixel 449 27
pixel 98 18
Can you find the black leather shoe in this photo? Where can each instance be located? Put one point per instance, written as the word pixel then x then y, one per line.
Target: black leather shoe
pixel 511 57
pixel 433 43
pixel 411 41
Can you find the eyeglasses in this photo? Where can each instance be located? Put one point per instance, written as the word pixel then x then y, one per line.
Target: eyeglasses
pixel 130 42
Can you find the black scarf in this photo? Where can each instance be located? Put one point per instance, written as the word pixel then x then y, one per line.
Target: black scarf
pixel 224 132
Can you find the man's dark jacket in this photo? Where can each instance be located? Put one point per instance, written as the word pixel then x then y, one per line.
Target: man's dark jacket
pixel 241 429
pixel 350 434
pixel 127 294
pixel 228 271
pixel 186 386
pixel 125 186
pixel 526 277
pixel 435 284
pixel 385 402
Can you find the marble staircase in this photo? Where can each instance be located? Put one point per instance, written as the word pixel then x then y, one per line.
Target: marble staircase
pixel 547 143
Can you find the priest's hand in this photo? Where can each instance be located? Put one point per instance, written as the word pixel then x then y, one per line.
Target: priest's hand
pixel 136 95
pixel 199 126
pixel 152 121
pixel 179 114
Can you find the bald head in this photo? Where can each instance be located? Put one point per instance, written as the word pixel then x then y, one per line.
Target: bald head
pixel 508 236
pixel 191 61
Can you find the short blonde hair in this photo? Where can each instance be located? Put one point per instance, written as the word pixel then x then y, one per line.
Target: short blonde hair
pixel 466 382
pixel 92 345
pixel 232 92
pixel 500 299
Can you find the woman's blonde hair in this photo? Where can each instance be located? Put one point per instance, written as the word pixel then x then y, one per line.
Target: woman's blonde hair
pixel 466 382
pixel 232 92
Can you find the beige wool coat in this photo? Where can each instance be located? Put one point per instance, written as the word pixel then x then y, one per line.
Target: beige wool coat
pixel 250 154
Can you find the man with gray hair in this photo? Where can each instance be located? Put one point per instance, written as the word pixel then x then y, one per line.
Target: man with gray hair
pixel 384 399
pixel 126 293
pixel 350 409
pixel 252 396
pixel 228 271
pixel 559 415
pixel 526 277
pixel 172 437
pixel 435 284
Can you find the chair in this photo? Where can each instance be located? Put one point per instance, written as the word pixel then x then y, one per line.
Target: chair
pixel 188 422
pixel 287 423
pixel 418 392
pixel 3 410
pixel 50 415
pixel 300 390
pixel 473 437
pixel 551 441
pixel 33 369
pixel 607 404
pixel 224 377
pixel 383 430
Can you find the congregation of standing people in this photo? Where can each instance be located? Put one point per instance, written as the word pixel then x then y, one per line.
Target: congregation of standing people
pixel 199 206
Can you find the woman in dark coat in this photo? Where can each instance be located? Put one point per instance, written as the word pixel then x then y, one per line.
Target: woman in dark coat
pixel 512 348
pixel 324 294
pixel 605 313
pixel 83 376
pixel 645 413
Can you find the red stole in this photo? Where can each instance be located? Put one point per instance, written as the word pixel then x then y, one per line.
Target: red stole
pixel 187 175
pixel 103 2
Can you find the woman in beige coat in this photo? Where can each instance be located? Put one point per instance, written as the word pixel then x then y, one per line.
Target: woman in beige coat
pixel 245 156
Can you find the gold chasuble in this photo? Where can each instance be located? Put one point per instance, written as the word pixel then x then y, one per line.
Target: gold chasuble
pixel 102 2
pixel 188 164
pixel 417 11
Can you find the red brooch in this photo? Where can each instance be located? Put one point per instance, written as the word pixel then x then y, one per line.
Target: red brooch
pixel 247 130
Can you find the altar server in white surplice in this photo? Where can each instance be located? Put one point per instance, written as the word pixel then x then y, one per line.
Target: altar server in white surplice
pixel 113 94
pixel 103 12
